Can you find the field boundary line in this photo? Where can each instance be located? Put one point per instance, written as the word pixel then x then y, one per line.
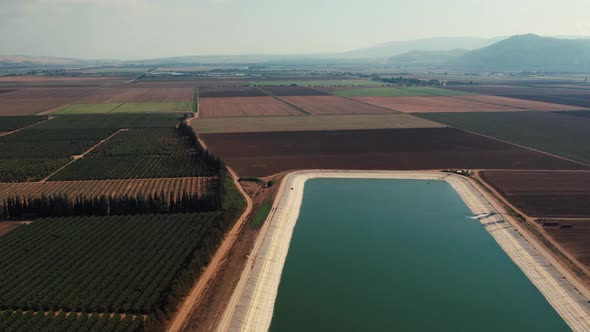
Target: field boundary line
pixel 269 93
pixel 25 127
pixel 76 157
pixel 523 146
pixel 390 110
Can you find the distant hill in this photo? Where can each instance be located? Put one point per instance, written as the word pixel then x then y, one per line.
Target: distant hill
pixel 33 62
pixel 428 44
pixel 418 59
pixel 529 53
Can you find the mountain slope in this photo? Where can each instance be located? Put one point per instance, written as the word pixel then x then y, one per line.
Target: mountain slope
pixel 529 53
pixel 428 44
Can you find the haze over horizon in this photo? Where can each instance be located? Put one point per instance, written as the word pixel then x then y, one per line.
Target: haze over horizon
pixel 139 29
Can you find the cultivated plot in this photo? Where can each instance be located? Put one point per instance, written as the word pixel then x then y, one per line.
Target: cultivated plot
pixel 318 82
pixel 157 107
pixel 431 104
pixel 574 97
pixel 519 103
pixel 168 187
pixel 397 92
pixel 263 154
pixel 230 91
pixel 36 100
pixel 557 194
pixel 9 123
pixel 125 94
pixel 555 133
pixel 323 105
pixel 244 106
pixel 573 236
pixel 292 91
pixel 305 123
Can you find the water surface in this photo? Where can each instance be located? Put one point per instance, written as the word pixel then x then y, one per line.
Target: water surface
pixel 385 255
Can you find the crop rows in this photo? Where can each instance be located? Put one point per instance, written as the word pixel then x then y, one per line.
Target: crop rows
pixel 29 169
pixel 152 141
pixel 126 264
pixel 125 187
pixel 9 123
pixel 112 121
pixel 40 321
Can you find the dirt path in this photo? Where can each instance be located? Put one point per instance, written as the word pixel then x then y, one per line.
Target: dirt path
pixel 76 157
pixel 31 125
pixel 563 261
pixel 205 280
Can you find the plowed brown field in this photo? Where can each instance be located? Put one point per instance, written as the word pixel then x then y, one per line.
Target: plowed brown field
pixel 432 104
pixel 244 106
pixel 323 105
pixel 7 226
pixel 520 103
pixel 233 91
pixel 137 95
pixel 132 187
pixel 557 194
pixel 263 154
pixel 573 236
pixel 35 100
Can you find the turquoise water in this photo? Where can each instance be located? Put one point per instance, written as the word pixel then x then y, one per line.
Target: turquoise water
pixel 400 255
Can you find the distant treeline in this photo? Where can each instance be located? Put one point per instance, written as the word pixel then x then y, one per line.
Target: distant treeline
pixel 411 81
pixel 64 206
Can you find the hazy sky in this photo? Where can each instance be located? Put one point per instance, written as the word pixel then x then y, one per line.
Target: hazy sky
pixel 125 29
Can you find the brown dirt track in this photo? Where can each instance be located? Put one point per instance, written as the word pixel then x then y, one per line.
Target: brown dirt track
pixel 325 105
pixel 130 187
pixel 548 194
pixel 137 95
pixel 520 103
pixel 263 154
pixel 35 100
pixel 432 104
pixel 244 106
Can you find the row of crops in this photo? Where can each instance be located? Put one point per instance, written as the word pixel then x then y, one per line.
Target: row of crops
pixel 37 151
pixel 40 321
pixel 123 264
pixel 10 123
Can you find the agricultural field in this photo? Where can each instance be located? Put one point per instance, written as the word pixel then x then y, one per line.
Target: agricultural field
pixel 546 131
pixel 168 187
pixel 264 154
pixel 573 236
pixel 579 98
pixel 124 94
pixel 29 101
pixel 317 82
pixel 7 226
pixel 292 91
pixel 10 123
pixel 155 107
pixel 98 264
pixel 112 121
pixel 431 104
pixel 29 169
pixel 555 194
pixel 582 114
pixel 244 106
pixel 520 103
pixel 230 91
pixel 397 92
pixel 40 321
pixel 145 141
pixel 308 123
pixel 325 105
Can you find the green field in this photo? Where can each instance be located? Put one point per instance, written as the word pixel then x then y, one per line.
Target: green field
pixel 397 92
pixel 316 122
pixel 319 82
pixel 125 264
pixel 9 123
pixel 127 108
pixel 555 133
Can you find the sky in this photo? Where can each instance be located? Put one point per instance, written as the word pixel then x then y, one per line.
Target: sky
pixel 141 29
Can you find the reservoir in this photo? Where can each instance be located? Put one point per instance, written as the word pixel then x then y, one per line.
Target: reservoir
pixel 385 255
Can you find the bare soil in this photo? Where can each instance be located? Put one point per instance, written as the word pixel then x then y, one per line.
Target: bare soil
pixel 244 106
pixel 263 154
pixel 433 104
pixel 325 105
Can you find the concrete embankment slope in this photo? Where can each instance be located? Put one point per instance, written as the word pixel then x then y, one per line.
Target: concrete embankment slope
pixel 251 306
